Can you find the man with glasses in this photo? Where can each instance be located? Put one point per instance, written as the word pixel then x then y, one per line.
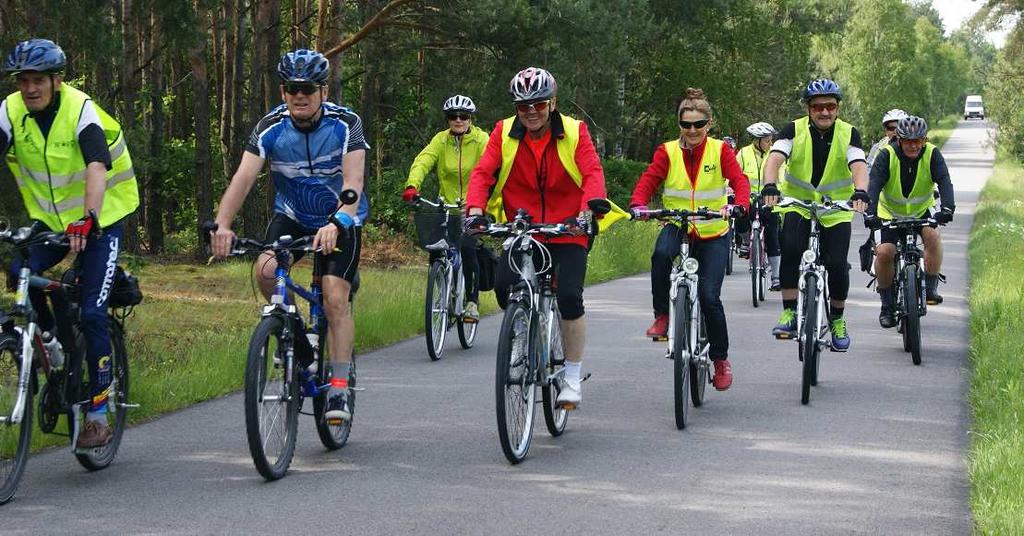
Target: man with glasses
pixel 452 153
pixel 824 157
pixel 889 124
pixel 902 182
pixel 316 149
pixel 544 162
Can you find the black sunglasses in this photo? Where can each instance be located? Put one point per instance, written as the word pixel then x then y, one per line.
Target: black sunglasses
pixel 687 125
pixel 305 89
pixel 461 117
pixel 890 128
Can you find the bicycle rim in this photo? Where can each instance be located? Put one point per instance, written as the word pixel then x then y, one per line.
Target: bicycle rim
pixel 809 341
pixel 271 401
pixel 681 357
pixel 99 458
pixel 755 269
pixel 436 311
pixel 515 394
pixel 912 330
pixel 15 439
pixel 555 417
pixel 467 332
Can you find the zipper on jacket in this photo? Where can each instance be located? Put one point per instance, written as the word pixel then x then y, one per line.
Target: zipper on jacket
pixel 309 156
pixel 49 177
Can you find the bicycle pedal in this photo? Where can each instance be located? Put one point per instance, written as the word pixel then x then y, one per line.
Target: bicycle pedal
pixel 567 406
pixel 660 339
pixel 334 422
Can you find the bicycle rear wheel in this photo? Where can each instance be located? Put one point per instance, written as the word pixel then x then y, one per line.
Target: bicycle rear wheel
pixel 555 417
pixel 911 315
pixel 100 458
pixel 762 287
pixel 699 365
pixel 467 332
pixel 15 439
pixel 515 395
pixel 333 436
pixel 435 317
pixel 681 358
pixel 809 338
pixel 271 401
pixel 756 291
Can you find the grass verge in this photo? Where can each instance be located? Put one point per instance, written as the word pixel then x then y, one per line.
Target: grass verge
pixel 187 342
pixel 996 245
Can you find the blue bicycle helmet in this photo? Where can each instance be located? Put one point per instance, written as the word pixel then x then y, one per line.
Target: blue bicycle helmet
pixel 822 87
pixel 304 65
pixel 36 55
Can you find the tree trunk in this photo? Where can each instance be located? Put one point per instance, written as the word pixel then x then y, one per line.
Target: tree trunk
pixel 268 48
pixel 129 94
pixel 154 191
pixel 201 123
pixel 232 20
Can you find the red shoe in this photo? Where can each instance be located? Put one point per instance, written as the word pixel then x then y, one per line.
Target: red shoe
pixel 659 329
pixel 723 375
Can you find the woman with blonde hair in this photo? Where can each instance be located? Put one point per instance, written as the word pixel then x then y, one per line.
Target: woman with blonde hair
pixel 695 170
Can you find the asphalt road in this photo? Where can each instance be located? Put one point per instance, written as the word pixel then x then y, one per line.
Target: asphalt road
pixel 880 449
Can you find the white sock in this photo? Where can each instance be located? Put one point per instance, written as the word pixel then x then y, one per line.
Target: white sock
pixel 572 370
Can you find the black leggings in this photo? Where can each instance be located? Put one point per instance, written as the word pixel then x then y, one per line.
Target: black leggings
pixel 570 266
pixel 835 246
pixel 770 226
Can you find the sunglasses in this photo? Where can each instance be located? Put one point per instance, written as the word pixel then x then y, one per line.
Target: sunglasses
pixel 687 125
pixel 460 117
pixel 830 106
pixel 305 89
pixel 890 128
pixel 538 106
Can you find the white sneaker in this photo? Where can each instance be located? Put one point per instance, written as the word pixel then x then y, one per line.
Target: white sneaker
pixel 570 394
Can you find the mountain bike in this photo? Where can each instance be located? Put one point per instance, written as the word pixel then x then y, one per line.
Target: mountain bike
pixel 687 335
pixel 909 287
pixel 61 384
pixel 530 350
pixel 812 302
pixel 288 360
pixel 758 254
pixel 440 233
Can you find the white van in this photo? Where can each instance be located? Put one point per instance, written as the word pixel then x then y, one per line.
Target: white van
pixel 973 107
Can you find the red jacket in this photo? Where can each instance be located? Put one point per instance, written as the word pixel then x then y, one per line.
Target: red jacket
pixel 656 173
pixel 543 188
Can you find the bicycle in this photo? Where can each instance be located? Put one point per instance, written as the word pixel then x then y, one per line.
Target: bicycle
pixel 440 233
pixel 758 254
pixel 909 286
pixel 530 349
pixel 64 388
pixel 687 335
pixel 279 372
pixel 812 302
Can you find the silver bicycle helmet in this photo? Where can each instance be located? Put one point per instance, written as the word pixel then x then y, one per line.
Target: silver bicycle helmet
pixel 912 128
pixel 532 84
pixel 761 129
pixel 459 103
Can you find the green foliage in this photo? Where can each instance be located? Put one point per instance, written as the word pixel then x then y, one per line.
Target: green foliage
pixel 620 177
pixel 1004 101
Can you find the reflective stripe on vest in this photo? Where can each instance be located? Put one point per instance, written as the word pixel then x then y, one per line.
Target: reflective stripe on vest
pixel 566 147
pixel 683 194
pixel 836 180
pixel 50 171
pixel 892 202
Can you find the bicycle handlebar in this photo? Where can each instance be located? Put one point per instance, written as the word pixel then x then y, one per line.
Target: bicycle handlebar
pixel 422 201
pixel 26 236
pixel 244 246
pixel 908 223
pixel 678 214
pixel 814 206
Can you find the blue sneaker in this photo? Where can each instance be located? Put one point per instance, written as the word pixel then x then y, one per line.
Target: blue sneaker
pixel 786 328
pixel 840 338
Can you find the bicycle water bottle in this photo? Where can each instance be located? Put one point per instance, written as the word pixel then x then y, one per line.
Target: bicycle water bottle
pixel 53 350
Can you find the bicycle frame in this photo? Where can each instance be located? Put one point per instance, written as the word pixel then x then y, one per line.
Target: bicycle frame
pixel 684 275
pixel 536 291
pixel 452 259
pixel 909 253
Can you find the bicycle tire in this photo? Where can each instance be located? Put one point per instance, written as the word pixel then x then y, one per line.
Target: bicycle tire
pixel 809 342
pixel 15 439
pixel 435 313
pixel 515 395
pixel 265 342
pixel 699 379
pixel 100 458
pixel 732 249
pixel 555 418
pixel 762 287
pixel 333 436
pixel 681 357
pixel 755 266
pixel 912 329
pixel 467 332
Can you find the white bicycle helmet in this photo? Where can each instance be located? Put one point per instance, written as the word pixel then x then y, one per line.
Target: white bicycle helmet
pixel 532 84
pixel 459 103
pixel 894 115
pixel 761 129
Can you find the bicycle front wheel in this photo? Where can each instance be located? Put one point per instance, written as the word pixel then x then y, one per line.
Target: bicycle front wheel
pixel 435 317
pixel 911 315
pixel 699 365
pixel 15 438
pixel 809 338
pixel 681 358
pixel 467 332
pixel 555 417
pixel 756 268
pixel 100 458
pixel 515 394
pixel 732 249
pixel 271 401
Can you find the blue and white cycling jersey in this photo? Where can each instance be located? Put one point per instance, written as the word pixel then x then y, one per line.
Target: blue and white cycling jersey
pixel 306 166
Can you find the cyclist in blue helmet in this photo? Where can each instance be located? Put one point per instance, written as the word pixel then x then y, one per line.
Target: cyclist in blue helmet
pixel 75 175
pixel 824 157
pixel 316 149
